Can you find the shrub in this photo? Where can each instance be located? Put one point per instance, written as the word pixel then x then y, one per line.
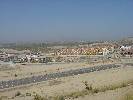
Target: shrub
pixel 15 75
pixel 87 86
pixel 28 94
pixel 95 90
pixel 18 94
pixel 38 97
pixel 124 85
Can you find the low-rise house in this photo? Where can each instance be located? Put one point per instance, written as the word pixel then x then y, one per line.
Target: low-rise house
pixel 126 50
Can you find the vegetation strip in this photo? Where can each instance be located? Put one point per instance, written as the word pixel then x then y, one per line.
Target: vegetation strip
pixel 88 90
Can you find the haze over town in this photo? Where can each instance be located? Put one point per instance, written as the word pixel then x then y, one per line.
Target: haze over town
pixel 67 20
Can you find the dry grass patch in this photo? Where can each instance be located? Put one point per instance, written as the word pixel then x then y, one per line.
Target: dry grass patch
pixel 61 97
pixel 89 89
pixel 128 97
pixel 92 90
pixel 54 82
pixel 3 98
pixel 38 97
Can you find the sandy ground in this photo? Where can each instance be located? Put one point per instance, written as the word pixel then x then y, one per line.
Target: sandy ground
pixel 118 94
pixel 37 69
pixel 70 84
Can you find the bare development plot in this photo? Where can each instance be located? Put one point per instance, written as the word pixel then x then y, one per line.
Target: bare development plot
pixel 20 71
pixel 116 81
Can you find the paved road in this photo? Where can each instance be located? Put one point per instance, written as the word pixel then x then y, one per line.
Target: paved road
pixel 41 78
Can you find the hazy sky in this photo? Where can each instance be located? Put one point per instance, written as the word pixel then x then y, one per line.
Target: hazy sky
pixel 57 20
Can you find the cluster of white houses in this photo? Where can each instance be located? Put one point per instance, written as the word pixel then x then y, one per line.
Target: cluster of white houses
pixel 23 56
pixel 126 50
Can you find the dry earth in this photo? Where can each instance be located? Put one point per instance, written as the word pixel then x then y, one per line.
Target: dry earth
pixel 118 94
pixel 71 84
pixel 37 69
